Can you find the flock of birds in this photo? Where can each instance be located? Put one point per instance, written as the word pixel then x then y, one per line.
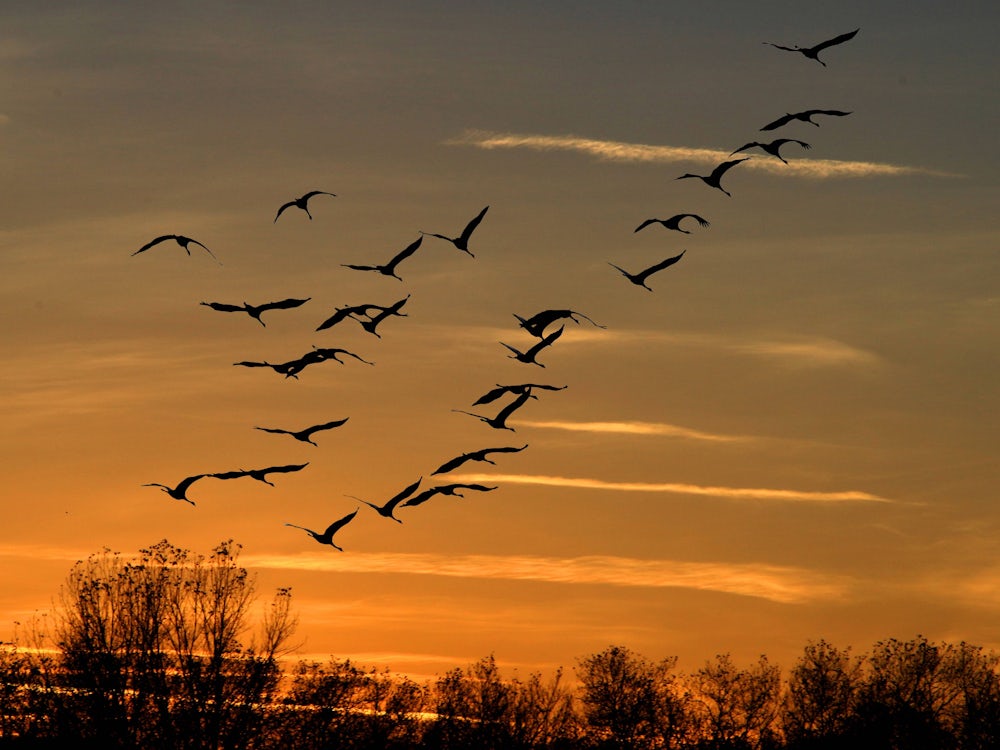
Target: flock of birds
pixel 540 326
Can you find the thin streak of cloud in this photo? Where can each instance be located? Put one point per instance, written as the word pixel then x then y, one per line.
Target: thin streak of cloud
pixel 735 493
pixel 645 153
pixel 636 428
pixel 782 584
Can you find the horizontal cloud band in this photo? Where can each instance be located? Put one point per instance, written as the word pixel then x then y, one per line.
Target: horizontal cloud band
pixel 738 493
pixel 640 152
pixel 786 585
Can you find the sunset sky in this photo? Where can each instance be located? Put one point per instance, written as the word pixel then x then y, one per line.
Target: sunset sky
pixel 793 436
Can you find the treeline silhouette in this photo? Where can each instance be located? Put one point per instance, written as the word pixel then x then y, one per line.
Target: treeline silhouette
pixel 165 651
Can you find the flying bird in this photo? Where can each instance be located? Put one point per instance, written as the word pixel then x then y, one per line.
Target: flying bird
pixel 180 239
pixel 444 489
pixel 260 474
pixel 715 178
pixel 343 313
pixel 384 312
pixel 773 147
pixel 480 455
pixel 499 422
pixel 255 311
pixel 305 435
pixel 389 269
pixel 327 536
pixel 639 279
pixel 325 353
pixel 387 509
pixel 180 491
pixel 462 241
pixel 805 116
pixel 501 390
pixel 813 52
pixel 537 323
pixel 302 203
pixel 673 222
pixel 528 357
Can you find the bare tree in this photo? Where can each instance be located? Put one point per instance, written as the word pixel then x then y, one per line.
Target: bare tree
pixel 739 707
pixel 822 696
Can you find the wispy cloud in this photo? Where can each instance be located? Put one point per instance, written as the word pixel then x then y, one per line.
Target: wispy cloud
pixel 635 428
pixel 641 152
pixel 734 493
pixel 775 583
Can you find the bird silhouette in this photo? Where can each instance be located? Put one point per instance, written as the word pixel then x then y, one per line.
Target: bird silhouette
pixel 327 536
pixel 343 313
pixel 673 222
pixel 773 147
pixel 305 435
pixel 639 279
pixel 813 52
pixel 260 474
pixel 805 116
pixel 715 178
pixel 255 311
pixel 302 203
pixel 384 312
pixel 389 269
pixel 334 353
pixel 480 455
pixel 462 241
pixel 501 390
pixel 444 489
pixel 499 422
pixel 180 491
pixel 528 357
pixel 386 510
pixel 537 323
pixel 180 239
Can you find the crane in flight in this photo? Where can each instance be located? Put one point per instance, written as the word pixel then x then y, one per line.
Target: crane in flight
pixel 537 323
pixel 302 202
pixel 181 240
pixel 260 474
pixel 480 455
pixel 674 222
pixel 383 312
pixel 773 148
pixel 343 313
pixel 255 311
pixel 639 279
pixel 389 269
pixel 444 489
pixel 180 491
pixel 715 178
pixel 462 241
pixel 499 422
pixel 386 510
pixel 813 52
pixel 494 393
pixel 327 536
pixel 805 116
pixel 528 357
pixel 305 435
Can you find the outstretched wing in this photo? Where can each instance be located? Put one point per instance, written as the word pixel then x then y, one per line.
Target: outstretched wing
pixel 471 226
pixel 493 394
pixel 325 426
pixel 745 147
pixel 275 430
pixel 283 469
pixel 403 494
pixel 725 167
pixel 701 222
pixel 285 304
pixel 405 253
pixel 789 49
pixel 783 120
pixel 646 223
pixel 337 525
pixel 157 241
pixel 661 265
pixel 282 210
pixel 836 40
pixel 311 193
pixel 223 307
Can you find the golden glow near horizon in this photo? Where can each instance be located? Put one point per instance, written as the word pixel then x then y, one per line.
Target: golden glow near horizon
pixel 791 437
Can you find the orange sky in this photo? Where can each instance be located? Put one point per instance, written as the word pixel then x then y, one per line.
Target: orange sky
pixel 791 437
